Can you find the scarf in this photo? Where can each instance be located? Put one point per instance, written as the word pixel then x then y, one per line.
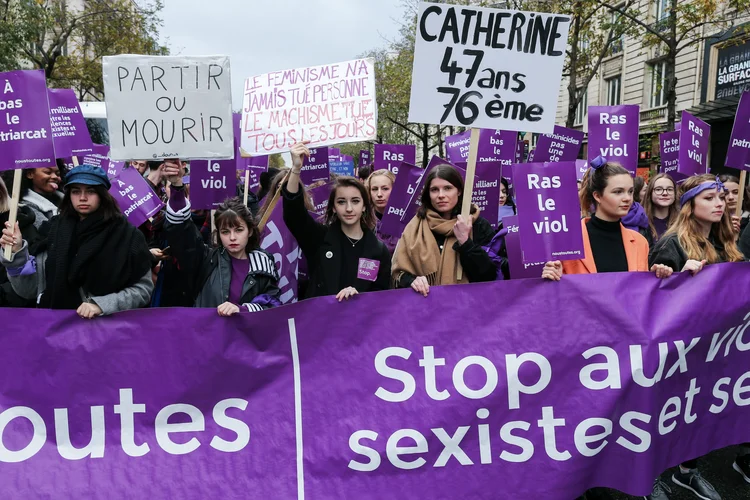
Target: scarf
pixel 100 256
pixel 418 252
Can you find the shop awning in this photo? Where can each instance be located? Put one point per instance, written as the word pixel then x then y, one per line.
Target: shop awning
pixel 720 109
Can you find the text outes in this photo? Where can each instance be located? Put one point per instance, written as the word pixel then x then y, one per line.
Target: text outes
pixel 225 414
pixel 632 430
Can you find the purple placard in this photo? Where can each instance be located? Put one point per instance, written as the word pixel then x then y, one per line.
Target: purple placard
pixel 135 197
pixel 518 269
pixel 582 166
pixel 494 145
pixel 738 153
pixel 279 242
pixel 390 156
pixel 613 134
pixel 486 192
pixel 319 197
pixel 368 269
pixel 405 186
pixel 315 167
pixel 549 212
pixel 564 144
pixel 25 128
pixel 365 158
pixel 253 177
pixel 415 202
pixel 669 149
pixel 215 181
pixel 520 152
pixel 694 137
pixel 457 146
pixel 70 134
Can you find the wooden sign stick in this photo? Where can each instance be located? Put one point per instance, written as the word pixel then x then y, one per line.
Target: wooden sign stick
pixel 14 200
pixel 741 199
pixel 247 184
pixel 471 167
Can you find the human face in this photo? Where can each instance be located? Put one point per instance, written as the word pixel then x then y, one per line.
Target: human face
pixel 139 165
pixel 503 195
pixel 642 195
pixel 614 203
pixel 443 196
pixel 709 206
pixel 85 199
pixel 45 180
pixel 380 191
pixel 732 195
pixel 234 239
pixel 663 194
pixel 348 205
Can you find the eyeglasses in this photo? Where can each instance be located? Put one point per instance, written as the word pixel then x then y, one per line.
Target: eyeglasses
pixel 661 190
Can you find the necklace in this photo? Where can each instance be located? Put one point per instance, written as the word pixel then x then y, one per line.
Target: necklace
pixel 353 242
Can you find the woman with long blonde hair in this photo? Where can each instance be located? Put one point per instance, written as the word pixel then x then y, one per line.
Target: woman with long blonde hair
pixel 661 205
pixel 379 186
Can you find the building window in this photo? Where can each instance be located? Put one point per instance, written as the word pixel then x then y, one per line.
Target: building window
pixel 658 74
pixel 662 10
pixel 618 43
pixel 583 104
pixel 614 85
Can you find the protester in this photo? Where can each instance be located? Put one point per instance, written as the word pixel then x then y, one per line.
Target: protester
pixel 732 186
pixel 39 192
pixel 437 247
pixel 608 245
pixel 140 165
pixel 364 172
pixel 344 256
pixel 380 184
pixel 233 276
pixel 95 262
pixel 265 183
pixel 661 205
pixel 639 189
pixel 506 206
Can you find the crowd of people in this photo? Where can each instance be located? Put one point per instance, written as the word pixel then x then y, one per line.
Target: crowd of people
pixel 72 248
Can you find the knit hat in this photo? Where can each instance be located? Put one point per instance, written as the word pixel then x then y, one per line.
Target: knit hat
pixel 88 175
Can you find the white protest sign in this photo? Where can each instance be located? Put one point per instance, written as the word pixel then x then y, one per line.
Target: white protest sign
pixel 487 68
pixel 168 107
pixel 331 104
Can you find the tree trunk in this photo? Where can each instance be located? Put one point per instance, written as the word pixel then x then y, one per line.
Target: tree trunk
pixel 670 68
pixel 440 141
pixel 573 96
pixel 425 137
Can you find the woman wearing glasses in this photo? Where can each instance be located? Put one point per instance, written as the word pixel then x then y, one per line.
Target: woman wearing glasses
pixel 661 206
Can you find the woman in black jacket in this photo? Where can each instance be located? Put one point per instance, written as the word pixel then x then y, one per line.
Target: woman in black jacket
pixel 344 256
pixel 235 275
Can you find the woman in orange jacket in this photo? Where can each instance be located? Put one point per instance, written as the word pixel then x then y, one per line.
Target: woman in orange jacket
pixel 608 245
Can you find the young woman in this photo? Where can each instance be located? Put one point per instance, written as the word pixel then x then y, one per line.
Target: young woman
pixel 639 189
pixel 95 262
pixel 506 206
pixel 344 256
pixel 39 192
pixel 661 205
pixel 380 184
pixel 732 186
pixel 608 245
pixel 233 276
pixel 437 243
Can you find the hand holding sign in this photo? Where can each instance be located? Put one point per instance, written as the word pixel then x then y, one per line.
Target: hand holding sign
pixel 12 238
pixel 174 171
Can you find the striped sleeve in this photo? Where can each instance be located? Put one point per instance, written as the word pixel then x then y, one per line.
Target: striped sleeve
pixel 261 263
pixel 177 215
pixel 253 307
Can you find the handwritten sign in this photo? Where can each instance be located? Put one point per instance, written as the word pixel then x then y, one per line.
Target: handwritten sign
pixel 215 181
pixel 669 147
pixel 613 134
pixel 25 130
pixel 169 107
pixel 487 68
pixel 136 199
pixel 69 131
pixel 331 104
pixel 693 155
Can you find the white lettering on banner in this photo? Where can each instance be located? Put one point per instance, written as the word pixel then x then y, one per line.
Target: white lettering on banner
pixel 487 68
pixel 127 410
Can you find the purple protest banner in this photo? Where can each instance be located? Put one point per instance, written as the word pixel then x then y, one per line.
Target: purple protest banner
pixel 516 266
pixel 390 156
pixel 564 144
pixel 520 152
pixel 613 134
pixel 25 128
pixel 315 167
pixel 457 146
pixel 486 192
pixel 582 166
pixel 215 181
pixel 669 150
pixel 319 197
pixel 70 134
pixel 494 145
pixel 694 137
pixel 738 153
pixel 134 196
pixel 279 242
pixel 549 211
pixel 611 400
pixel 405 186
pixel 365 158
pixel 257 161
pixel 254 176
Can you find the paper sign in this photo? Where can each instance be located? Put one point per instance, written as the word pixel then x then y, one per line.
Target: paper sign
pixel 315 167
pixel 694 136
pixel 517 268
pixel 69 131
pixel 669 148
pixel 487 68
pixel 215 181
pixel 564 144
pixel 548 212
pixel 331 104
pixel 136 199
pixel 738 154
pixel 25 129
pixel 613 134
pixel 169 107
pixel 390 156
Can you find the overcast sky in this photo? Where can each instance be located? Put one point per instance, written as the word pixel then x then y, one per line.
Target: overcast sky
pixel 269 35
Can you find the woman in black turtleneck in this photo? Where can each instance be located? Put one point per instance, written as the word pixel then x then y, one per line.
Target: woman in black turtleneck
pixel 609 247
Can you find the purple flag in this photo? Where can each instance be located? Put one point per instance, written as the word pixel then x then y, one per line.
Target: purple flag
pixel 25 128
pixel 549 211
pixel 215 181
pixel 693 155
pixel 564 144
pixel 405 186
pixel 613 134
pixel 315 167
pixel 738 154
pixel 320 196
pixel 669 148
pixel 364 158
pixel 278 241
pixel 69 131
pixel 135 197
pixel 390 156
pixel 518 269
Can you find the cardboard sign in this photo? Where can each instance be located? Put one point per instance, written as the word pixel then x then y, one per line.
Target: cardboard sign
pixel 487 68
pixel 215 181
pixel 494 145
pixel 390 156
pixel 613 134
pixel 69 131
pixel 693 151
pixel 330 104
pixel 134 196
pixel 169 107
pixel 25 129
